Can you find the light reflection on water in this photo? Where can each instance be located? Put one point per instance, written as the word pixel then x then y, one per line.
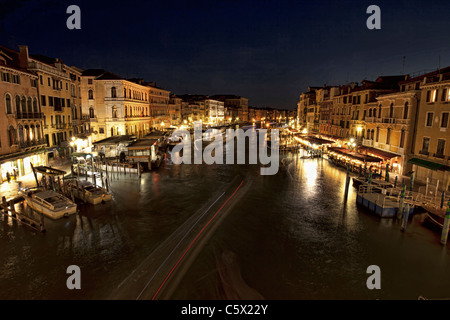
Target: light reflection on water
pixel 292 234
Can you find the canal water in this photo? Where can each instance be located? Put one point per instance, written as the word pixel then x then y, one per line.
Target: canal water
pixel 290 236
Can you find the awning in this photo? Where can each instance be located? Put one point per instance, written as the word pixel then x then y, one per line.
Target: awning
pixel 429 164
pixel 20 155
pixel 379 153
pixel 354 155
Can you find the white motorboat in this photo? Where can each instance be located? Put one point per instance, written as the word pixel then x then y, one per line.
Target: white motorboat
pixel 50 203
pixel 89 192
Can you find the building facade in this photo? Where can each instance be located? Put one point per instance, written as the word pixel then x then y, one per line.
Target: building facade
pixel 114 106
pixel 21 120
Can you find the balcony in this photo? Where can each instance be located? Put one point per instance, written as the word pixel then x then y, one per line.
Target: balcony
pixel 384 146
pixel 32 143
pixel 402 121
pixel 29 115
pixel 367 142
pixel 389 120
pixel 59 126
pixel 438 155
pixel 424 152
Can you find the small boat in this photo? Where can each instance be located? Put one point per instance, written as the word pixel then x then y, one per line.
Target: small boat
pixel 50 203
pixel 89 192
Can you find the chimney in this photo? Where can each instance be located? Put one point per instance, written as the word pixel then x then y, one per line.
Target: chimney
pixel 23 57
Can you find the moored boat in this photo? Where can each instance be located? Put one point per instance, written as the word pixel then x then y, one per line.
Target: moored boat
pixel 89 192
pixel 50 203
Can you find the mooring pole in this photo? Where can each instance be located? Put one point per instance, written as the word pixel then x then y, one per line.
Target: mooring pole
pixel 442 199
pixel 444 234
pixel 400 204
pixel 347 183
pixel 405 217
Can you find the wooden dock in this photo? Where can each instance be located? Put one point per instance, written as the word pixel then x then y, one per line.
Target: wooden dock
pixel 8 209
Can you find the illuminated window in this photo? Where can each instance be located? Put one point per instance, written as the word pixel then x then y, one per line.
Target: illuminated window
pixel 433 95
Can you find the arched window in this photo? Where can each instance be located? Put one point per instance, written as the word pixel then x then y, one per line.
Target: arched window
pixel 27 133
pixel 17 104
pixel 405 110
pixel 124 92
pixel 126 111
pixel 38 132
pixel 402 138
pixel 35 106
pixel 91 112
pixel 379 111
pixel 29 104
pixel 20 129
pixel 32 133
pixel 112 131
pixel 8 104
pixel 90 94
pixel 388 136
pixel 12 136
pixel 114 112
pixel 391 111
pixel 23 103
pixel 113 92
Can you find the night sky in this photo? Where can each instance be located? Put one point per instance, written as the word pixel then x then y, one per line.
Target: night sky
pixel 267 51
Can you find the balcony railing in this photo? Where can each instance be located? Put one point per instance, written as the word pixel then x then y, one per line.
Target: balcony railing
pixel 389 120
pixel 59 125
pixel 29 115
pixel 367 142
pixel 32 143
pixel 439 155
pixel 402 121
pixel 424 152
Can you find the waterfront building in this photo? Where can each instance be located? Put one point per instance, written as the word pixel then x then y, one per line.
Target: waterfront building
pixel 59 97
pixel 115 106
pixel 21 119
pixel 430 154
pixel 215 108
pixel 325 97
pixel 389 128
pixel 175 111
pixel 306 108
pixel 236 107
pixel 159 106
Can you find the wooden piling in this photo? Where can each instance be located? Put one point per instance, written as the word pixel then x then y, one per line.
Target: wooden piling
pixel 444 234
pixel 400 204
pixel 347 183
pixel 405 217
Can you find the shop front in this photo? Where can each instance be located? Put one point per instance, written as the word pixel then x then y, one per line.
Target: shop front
pixel 19 164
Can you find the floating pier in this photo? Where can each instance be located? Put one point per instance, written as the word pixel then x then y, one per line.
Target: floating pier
pixel 379 203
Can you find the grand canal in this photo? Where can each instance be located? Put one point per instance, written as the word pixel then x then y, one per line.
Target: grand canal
pixel 288 236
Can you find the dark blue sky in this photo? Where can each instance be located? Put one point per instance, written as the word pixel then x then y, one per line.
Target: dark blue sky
pixel 268 51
